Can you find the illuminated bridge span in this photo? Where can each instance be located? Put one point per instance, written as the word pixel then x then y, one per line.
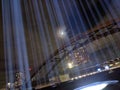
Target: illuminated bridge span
pixel 83 54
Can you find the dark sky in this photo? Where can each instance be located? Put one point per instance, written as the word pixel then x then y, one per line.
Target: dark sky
pixel 1 38
pixel 2 63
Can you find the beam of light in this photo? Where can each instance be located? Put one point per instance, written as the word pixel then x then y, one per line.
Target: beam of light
pixel 89 23
pixel 68 19
pixel 42 37
pixel 8 43
pixel 103 22
pixel 60 20
pixel 115 47
pixel 95 19
pixel 52 21
pixel 84 28
pixel 48 35
pixel 110 9
pixel 97 85
pixel 19 35
pixel 14 37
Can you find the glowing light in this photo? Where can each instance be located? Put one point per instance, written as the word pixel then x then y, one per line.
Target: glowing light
pixel 76 77
pixel 111 65
pixel 107 68
pixel 61 32
pixel 96 86
pixel 70 65
pixel 99 70
pixel 84 75
pixel 9 84
pixel 117 63
pixel 72 78
pixel 80 76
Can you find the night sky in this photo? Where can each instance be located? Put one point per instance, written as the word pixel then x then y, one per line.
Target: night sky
pixel 34 28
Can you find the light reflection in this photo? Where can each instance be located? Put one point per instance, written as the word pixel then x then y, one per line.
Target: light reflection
pixel 97 85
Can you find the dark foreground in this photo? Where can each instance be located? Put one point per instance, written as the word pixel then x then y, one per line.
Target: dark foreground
pixel 103 76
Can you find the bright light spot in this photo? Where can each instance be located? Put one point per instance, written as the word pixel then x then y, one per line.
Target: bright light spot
pixel 84 75
pixel 70 65
pixel 107 68
pixel 9 85
pixel 76 77
pixel 61 32
pixel 99 70
pixel 111 65
pixel 117 63
pixel 91 73
pixel 96 87
pixel 80 76
pixel 72 78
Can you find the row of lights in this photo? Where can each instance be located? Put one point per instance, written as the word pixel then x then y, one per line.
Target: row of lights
pixel 110 65
pixel 85 75
pixel 92 73
pixel 106 67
